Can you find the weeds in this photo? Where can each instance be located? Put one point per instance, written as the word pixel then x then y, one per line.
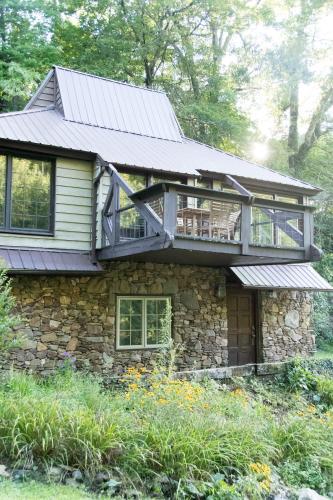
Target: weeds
pixel 223 442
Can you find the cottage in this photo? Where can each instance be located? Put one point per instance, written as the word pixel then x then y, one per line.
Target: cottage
pixel 111 220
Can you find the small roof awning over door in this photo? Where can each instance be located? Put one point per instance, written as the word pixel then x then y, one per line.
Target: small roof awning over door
pixel 291 276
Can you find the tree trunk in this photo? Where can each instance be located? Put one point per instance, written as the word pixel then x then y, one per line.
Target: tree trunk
pixel 293 125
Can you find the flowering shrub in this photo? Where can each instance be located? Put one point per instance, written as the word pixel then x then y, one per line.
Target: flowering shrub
pixel 156 388
pixel 171 438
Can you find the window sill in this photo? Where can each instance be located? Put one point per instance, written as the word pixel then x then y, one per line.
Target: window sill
pixel 26 232
pixel 141 348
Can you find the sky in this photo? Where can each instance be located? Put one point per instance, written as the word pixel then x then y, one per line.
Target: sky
pixel 258 105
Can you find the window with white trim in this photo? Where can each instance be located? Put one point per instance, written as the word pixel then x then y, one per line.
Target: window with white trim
pixel 143 322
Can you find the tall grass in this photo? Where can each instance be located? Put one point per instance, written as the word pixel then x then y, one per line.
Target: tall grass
pixel 153 426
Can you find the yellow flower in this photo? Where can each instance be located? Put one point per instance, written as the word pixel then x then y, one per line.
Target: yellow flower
pixel 311 409
pixel 262 469
pixel 265 484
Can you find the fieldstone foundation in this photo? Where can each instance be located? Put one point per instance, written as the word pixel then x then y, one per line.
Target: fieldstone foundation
pixel 78 315
pixel 286 325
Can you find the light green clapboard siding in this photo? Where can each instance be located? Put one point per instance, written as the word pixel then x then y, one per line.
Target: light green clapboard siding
pixel 72 210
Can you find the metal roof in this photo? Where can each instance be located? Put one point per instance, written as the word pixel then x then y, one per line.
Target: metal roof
pixel 106 103
pixel 20 260
pixel 289 276
pixel 48 127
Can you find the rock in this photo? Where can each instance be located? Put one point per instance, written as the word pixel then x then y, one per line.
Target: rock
pixel 29 344
pixel 55 472
pixel 108 360
pixel 41 347
pixel 77 475
pixel 156 289
pixel 189 299
pixel 71 482
pixel 54 324
pixel 97 285
pixel 94 328
pixel 102 477
pixel 48 337
pixel 64 300
pixel 170 286
pixel 72 344
pixel 292 319
pixel 309 494
pixel 3 471
pixel 20 474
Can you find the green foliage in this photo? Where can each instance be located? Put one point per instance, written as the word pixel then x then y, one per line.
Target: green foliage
pixel 298 377
pixel 307 473
pixel 166 435
pixel 323 303
pixel 26 48
pixel 324 388
pixel 9 337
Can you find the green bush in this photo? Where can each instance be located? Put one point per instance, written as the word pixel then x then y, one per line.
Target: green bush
pixel 155 427
pixel 298 377
pixel 324 389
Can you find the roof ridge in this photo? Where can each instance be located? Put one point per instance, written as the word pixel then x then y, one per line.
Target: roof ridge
pixel 26 111
pixel 110 80
pixel 120 131
pixel 251 162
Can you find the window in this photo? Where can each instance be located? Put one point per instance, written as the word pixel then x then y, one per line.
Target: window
pixel 25 194
pixel 143 322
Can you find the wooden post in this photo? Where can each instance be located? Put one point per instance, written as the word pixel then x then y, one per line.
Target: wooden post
pixel 245 227
pixel 308 233
pixel 170 211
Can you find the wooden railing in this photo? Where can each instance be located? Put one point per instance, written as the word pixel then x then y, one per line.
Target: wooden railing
pixel 177 211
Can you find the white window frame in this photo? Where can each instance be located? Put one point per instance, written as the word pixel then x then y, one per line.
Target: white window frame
pixel 144 299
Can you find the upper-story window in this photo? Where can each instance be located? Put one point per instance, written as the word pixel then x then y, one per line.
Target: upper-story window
pixel 25 194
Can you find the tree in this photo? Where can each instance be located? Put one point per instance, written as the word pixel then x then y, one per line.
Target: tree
pixel 292 66
pixel 26 48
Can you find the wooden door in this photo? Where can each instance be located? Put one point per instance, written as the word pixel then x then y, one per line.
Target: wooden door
pixel 241 327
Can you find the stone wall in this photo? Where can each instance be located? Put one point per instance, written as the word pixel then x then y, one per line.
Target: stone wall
pixel 77 315
pixel 286 325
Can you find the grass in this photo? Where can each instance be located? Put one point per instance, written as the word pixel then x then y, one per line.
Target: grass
pixel 32 490
pixel 166 437
pixel 324 352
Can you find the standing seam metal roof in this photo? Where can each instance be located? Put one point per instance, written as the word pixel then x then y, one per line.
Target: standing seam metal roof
pixel 48 127
pixel 46 261
pixel 114 105
pixel 288 277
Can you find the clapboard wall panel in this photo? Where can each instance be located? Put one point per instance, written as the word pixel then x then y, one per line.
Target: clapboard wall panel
pixel 72 210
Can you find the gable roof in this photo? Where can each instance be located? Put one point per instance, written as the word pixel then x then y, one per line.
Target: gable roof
pixel 133 126
pixel 106 103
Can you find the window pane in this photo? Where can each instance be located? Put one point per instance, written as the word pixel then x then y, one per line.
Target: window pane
pixel 130 322
pixel 158 321
pixel 31 194
pixel 2 189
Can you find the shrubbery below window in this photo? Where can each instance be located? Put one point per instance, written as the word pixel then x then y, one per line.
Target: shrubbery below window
pixel 143 322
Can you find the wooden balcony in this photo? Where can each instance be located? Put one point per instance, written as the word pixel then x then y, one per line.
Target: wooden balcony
pixel 177 223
